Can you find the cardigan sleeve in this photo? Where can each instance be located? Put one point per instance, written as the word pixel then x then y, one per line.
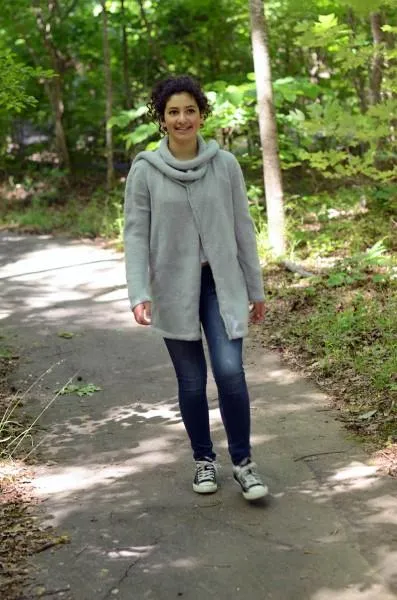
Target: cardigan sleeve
pixel 136 235
pixel 245 236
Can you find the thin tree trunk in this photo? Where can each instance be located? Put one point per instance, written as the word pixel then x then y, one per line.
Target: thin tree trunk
pixel 156 54
pixel 359 78
pixel 58 110
pixel 378 59
pixel 55 85
pixel 268 130
pixel 359 86
pixel 126 66
pixel 109 98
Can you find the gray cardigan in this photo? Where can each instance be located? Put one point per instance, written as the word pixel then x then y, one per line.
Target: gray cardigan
pixel 170 205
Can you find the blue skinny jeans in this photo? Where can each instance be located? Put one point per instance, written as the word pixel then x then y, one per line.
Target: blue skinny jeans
pixel 227 366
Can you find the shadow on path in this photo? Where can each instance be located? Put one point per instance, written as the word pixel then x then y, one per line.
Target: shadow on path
pixel 117 471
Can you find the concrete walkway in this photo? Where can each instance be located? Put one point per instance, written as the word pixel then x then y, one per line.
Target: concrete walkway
pixel 117 473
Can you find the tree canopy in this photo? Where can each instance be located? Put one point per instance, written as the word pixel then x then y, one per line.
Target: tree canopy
pixel 333 64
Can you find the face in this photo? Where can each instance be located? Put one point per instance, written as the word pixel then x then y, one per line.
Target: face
pixel 182 117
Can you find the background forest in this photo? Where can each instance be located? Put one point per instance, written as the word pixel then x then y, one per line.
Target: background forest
pixel 74 81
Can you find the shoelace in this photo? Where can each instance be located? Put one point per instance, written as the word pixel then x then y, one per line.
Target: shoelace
pixel 249 476
pixel 205 470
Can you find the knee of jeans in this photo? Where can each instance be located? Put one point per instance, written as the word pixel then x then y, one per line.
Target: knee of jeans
pixel 230 375
pixel 192 384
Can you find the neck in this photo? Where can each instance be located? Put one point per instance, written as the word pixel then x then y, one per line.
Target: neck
pixel 183 151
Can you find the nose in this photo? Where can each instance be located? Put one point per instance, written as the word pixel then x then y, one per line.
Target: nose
pixel 181 117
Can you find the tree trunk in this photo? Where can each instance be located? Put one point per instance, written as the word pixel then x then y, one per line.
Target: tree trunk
pixel 359 86
pixel 378 59
pixel 156 53
pixel 55 85
pixel 126 67
pixel 268 130
pixel 359 76
pixel 57 108
pixel 109 98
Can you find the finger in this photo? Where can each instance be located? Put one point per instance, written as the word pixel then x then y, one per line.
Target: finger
pixel 147 319
pixel 148 309
pixel 139 314
pixel 258 313
pixel 261 313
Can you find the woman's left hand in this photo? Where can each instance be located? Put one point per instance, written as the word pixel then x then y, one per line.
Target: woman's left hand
pixel 257 312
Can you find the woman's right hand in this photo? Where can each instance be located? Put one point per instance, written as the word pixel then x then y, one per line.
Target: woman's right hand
pixel 143 313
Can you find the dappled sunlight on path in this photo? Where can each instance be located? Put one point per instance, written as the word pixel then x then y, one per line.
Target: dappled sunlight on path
pixel 116 467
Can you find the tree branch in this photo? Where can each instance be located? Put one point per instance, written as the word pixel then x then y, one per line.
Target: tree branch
pixel 291 266
pixel 69 9
pixel 153 47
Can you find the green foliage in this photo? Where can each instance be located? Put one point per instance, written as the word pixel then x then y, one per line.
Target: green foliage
pixel 80 390
pixel 345 338
pixel 101 215
pixel 13 80
pixel 322 54
pixel 232 107
pixel 341 136
pixel 340 324
pixel 326 32
pixel 14 96
pixel 357 268
pixel 344 222
pixel 141 132
pixel 351 141
pixel 359 335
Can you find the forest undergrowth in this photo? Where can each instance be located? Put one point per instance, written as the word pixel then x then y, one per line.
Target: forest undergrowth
pixel 340 325
pixel 22 533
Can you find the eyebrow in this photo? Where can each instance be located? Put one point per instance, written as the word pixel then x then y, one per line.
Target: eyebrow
pixel 176 107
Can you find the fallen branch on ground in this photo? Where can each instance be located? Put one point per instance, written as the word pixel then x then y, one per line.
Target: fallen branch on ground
pixel 291 266
pixel 318 454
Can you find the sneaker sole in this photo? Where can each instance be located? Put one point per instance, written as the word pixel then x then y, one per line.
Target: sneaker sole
pixel 205 488
pixel 255 493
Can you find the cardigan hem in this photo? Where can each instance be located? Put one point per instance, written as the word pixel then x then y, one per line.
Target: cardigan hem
pixel 175 336
pixel 185 338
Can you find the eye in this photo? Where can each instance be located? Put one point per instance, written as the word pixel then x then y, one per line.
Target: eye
pixel 191 110
pixel 172 112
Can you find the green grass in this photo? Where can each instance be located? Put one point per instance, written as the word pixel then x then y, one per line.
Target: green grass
pixel 93 219
pixel 341 327
pixel 341 223
pixel 73 211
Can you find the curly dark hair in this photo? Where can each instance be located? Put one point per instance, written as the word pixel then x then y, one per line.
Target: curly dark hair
pixel 164 89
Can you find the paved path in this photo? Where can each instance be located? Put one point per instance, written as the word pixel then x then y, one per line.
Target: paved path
pixel 118 470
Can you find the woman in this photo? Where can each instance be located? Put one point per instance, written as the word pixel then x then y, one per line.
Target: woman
pixel 192 264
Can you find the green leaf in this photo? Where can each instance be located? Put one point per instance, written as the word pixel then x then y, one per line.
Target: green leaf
pixel 336 279
pixel 5 353
pixel 80 390
pixel 125 117
pixel 141 133
pixel 328 21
